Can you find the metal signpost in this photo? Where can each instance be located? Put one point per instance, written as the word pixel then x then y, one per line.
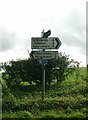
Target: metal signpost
pixel 43 80
pixel 44 43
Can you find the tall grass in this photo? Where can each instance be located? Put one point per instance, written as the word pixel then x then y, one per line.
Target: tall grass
pixel 65 100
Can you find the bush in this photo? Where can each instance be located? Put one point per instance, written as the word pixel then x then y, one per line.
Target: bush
pixel 19 114
pixel 8 103
pixel 30 70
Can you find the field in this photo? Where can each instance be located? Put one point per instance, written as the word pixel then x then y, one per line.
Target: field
pixel 65 100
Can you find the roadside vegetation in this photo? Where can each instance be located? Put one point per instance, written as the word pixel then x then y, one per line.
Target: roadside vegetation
pixel 66 90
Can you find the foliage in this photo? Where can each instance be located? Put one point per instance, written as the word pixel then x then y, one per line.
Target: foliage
pixel 30 70
pixel 65 100
pixel 20 114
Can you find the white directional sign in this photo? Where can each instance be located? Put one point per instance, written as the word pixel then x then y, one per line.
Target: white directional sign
pixel 45 43
pixel 45 54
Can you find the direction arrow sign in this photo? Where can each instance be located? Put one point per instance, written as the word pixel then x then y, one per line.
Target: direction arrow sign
pixel 45 54
pixel 45 43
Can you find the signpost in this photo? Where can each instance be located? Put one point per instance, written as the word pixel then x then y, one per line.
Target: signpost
pixel 44 43
pixel 45 55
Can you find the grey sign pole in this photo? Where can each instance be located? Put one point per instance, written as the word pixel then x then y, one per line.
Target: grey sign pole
pixel 43 70
pixel 43 81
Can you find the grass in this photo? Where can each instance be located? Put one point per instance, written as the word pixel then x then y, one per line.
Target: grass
pixel 66 100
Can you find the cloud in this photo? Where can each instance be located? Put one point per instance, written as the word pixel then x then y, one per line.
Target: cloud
pixel 72 30
pixel 8 39
pixel 77 30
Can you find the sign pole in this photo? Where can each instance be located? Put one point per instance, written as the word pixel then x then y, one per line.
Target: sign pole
pixel 43 81
pixel 43 75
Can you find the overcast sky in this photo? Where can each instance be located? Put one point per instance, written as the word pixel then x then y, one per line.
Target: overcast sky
pixel 22 19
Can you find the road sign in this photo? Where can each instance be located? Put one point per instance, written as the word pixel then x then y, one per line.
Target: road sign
pixel 43 61
pixel 45 54
pixel 45 43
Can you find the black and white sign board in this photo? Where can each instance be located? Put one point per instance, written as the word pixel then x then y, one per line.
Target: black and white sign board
pixel 45 43
pixel 45 54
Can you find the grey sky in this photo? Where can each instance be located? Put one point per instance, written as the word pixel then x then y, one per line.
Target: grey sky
pixel 22 19
pixel 8 40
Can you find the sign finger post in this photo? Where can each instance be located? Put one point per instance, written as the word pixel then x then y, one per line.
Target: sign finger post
pixel 42 44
